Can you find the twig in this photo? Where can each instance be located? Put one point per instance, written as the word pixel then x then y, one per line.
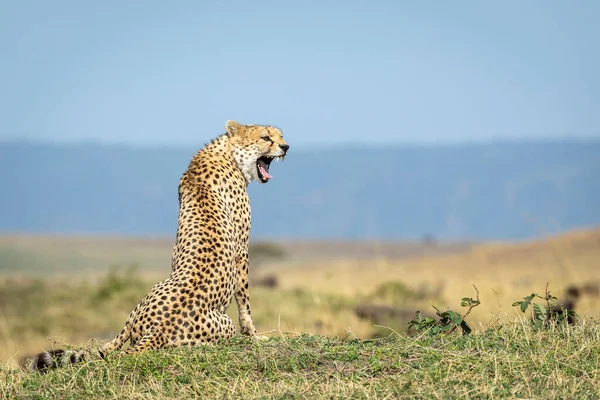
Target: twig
pixel 474 304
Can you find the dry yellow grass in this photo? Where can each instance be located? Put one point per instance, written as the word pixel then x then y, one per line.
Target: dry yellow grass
pixel 503 272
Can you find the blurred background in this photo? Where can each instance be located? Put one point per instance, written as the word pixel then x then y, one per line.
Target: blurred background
pixel 433 147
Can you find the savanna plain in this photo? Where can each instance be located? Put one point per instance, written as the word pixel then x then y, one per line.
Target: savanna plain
pixel 337 315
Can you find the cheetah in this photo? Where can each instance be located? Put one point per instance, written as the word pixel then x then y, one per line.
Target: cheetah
pixel 210 255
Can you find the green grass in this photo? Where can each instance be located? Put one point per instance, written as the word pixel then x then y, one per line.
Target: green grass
pixel 507 361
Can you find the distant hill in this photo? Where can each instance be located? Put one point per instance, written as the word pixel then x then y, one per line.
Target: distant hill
pixel 475 191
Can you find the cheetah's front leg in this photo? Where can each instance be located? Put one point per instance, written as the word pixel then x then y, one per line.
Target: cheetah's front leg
pixel 242 297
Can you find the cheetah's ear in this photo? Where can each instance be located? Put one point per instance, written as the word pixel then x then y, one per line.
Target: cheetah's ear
pixel 233 128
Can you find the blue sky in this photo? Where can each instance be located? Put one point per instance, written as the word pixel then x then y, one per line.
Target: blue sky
pixel 157 72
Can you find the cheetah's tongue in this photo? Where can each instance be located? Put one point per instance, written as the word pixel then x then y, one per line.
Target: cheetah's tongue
pixel 264 169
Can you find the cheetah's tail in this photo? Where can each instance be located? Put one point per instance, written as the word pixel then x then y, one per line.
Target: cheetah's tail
pixel 52 359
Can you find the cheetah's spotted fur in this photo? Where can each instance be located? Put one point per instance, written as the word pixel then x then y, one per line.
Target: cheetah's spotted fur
pixel 210 254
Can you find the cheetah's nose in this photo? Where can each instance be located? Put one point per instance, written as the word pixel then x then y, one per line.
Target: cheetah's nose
pixel 284 147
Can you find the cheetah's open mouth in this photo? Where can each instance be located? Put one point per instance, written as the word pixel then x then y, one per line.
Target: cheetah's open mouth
pixel 262 166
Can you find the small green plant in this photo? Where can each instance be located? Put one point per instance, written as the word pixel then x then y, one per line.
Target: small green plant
pixel 542 314
pixel 448 321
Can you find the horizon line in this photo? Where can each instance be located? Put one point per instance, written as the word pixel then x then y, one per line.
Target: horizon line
pixel 579 139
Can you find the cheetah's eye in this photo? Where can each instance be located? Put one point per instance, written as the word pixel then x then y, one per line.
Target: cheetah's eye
pixel 266 138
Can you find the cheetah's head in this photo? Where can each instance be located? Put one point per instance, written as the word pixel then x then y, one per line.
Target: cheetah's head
pixel 254 148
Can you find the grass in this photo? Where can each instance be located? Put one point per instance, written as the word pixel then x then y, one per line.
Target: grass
pixel 320 347
pixel 504 272
pixel 505 361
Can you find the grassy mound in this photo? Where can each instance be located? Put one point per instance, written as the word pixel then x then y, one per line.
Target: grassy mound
pixel 513 360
